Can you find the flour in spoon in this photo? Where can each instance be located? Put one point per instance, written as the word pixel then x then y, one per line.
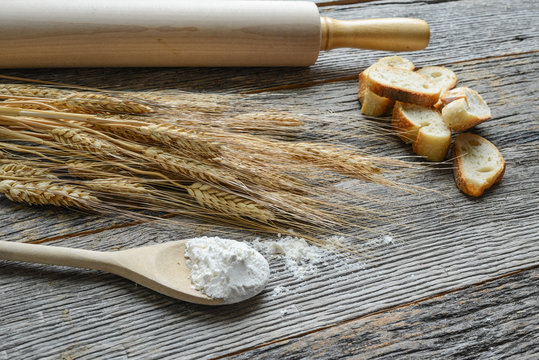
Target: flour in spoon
pixel 226 269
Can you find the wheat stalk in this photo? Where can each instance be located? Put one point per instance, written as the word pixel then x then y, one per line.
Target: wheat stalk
pixel 227 203
pixel 48 193
pixel 84 169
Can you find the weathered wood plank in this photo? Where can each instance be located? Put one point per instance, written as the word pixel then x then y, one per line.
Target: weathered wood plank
pixel 36 224
pixel 461 31
pixel 498 319
pixel 449 240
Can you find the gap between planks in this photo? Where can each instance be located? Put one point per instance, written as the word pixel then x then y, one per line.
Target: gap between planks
pixel 389 309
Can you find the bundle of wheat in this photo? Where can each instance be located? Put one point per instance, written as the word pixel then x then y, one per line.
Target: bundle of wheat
pixel 96 151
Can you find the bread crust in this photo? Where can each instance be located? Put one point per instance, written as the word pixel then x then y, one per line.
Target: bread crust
pixel 405 128
pixel 371 103
pixel 429 97
pixel 431 147
pixel 461 180
pixel 464 109
pixel 431 139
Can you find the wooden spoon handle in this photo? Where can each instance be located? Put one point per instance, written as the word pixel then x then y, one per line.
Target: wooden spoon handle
pixel 54 255
pixel 394 34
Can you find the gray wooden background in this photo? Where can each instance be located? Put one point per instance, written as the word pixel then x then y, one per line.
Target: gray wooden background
pixel 459 281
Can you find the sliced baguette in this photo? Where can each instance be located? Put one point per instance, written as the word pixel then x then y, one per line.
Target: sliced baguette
pixel 372 104
pixel 442 76
pixel 477 164
pixel 402 85
pixel 465 109
pixel 424 127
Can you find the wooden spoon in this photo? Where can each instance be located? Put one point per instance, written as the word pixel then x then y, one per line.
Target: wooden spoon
pixel 159 267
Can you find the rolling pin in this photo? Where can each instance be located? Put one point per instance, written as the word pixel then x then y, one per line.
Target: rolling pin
pixel 142 33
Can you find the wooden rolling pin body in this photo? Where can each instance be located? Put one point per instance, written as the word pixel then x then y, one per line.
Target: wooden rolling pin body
pixel 139 33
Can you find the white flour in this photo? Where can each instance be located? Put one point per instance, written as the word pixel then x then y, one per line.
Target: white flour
pixel 226 269
pixel 298 255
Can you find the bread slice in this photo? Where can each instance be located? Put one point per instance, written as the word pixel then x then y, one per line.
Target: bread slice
pixel 402 85
pixel 396 61
pixel 442 76
pixel 424 127
pixel 372 104
pixel 465 108
pixel 477 164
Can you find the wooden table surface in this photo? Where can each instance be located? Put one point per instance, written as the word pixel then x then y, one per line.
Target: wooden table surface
pixel 459 281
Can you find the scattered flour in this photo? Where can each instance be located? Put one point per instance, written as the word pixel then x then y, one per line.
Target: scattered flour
pixel 226 269
pixel 279 290
pixel 298 255
pixel 380 241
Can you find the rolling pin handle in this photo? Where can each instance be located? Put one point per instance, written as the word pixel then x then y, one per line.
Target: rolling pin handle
pixel 393 34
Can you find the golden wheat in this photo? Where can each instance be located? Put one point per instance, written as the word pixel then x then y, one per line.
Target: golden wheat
pixel 48 193
pixel 97 103
pixel 261 120
pixel 227 203
pixel 193 169
pixel 21 169
pixel 191 140
pixel 336 159
pixel 195 156
pixel 80 140
pixel 195 142
pixel 39 97
pixel 19 90
pixel 119 186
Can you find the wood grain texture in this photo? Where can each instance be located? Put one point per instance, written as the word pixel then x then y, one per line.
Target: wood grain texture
pixel 437 251
pixel 442 241
pixel 498 319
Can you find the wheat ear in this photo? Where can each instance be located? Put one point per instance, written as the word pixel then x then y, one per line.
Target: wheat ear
pixel 19 90
pixel 84 102
pixel 191 140
pixel 48 193
pixel 80 140
pixel 20 169
pixel 213 198
pixel 197 143
pixel 336 159
pixel 187 167
pixel 264 120
pixel 119 186
pixel 96 103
